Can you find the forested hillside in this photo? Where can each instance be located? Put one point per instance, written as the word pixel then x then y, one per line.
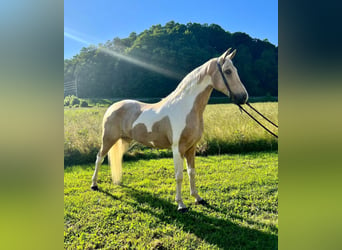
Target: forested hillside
pixel 173 51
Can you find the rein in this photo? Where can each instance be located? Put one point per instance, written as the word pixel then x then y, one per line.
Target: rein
pixel 269 131
pixel 248 104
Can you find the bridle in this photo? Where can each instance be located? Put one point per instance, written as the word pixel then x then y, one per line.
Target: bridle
pixel 248 104
pixel 224 80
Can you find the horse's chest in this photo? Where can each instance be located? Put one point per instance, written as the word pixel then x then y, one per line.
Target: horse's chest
pixel 193 130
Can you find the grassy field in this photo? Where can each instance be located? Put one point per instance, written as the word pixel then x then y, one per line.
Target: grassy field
pixel 226 130
pixel 241 189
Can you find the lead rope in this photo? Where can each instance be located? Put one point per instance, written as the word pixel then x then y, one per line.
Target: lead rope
pixel 241 108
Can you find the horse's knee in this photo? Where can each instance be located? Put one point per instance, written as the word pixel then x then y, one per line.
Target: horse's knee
pixel 179 176
pixel 191 172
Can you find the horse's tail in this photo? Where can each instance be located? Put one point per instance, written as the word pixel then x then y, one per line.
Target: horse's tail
pixel 115 160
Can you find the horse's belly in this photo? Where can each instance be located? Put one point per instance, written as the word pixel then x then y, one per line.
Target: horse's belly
pixel 150 140
pixel 160 135
pixel 161 143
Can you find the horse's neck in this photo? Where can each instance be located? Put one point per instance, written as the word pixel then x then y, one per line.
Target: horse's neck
pixel 191 86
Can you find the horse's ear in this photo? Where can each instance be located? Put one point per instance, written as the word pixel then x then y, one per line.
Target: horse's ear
pixel 231 55
pixel 224 55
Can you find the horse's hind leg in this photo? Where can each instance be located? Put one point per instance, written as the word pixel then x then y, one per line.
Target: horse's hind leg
pixel 106 145
pixel 99 160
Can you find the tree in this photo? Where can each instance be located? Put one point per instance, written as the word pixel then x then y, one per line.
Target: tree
pixel 176 47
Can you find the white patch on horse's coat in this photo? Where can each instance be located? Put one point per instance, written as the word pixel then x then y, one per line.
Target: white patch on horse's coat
pixel 176 108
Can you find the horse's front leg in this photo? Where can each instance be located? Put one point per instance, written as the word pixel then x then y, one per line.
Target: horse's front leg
pixel 190 160
pixel 178 162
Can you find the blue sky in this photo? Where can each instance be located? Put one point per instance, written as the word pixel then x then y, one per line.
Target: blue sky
pixel 91 22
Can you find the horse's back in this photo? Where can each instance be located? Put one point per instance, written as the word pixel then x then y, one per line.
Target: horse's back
pixel 126 105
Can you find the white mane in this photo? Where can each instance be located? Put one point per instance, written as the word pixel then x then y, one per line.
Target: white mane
pixel 189 83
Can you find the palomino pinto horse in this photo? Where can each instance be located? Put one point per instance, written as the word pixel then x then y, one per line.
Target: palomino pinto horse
pixel 175 122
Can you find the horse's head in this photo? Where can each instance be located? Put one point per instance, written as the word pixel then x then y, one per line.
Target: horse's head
pixel 225 78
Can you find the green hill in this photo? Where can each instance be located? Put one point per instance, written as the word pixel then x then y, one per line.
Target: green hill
pixel 152 63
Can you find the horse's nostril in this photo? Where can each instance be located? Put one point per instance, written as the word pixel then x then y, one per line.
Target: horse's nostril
pixel 241 99
pixel 245 97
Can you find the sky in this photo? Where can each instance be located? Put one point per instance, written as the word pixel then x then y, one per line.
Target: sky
pixel 92 22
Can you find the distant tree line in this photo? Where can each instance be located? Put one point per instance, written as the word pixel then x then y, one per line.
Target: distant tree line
pixel 175 47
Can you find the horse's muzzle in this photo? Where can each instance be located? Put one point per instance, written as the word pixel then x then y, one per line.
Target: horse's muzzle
pixel 241 98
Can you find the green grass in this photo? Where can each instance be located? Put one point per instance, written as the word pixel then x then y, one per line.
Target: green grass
pixel 226 130
pixel 242 192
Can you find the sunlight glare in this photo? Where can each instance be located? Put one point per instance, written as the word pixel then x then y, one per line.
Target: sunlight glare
pixel 126 58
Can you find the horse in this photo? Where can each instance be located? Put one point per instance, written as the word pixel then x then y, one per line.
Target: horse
pixel 175 122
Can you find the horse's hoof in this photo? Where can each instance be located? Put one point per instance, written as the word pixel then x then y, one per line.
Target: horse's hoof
pixel 201 202
pixel 183 210
pixel 95 188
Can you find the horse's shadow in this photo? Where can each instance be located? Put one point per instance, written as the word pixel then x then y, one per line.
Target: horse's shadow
pixel 217 231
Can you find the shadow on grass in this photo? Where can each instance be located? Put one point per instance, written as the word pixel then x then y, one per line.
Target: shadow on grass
pixel 217 231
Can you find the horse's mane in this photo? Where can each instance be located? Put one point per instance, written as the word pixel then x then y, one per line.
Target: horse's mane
pixel 188 83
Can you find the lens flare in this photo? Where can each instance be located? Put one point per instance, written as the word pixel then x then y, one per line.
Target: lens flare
pixel 126 58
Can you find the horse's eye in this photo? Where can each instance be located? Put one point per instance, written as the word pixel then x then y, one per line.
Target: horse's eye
pixel 228 72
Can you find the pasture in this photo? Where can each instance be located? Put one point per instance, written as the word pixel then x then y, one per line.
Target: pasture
pixel 242 192
pixel 241 189
pixel 226 130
